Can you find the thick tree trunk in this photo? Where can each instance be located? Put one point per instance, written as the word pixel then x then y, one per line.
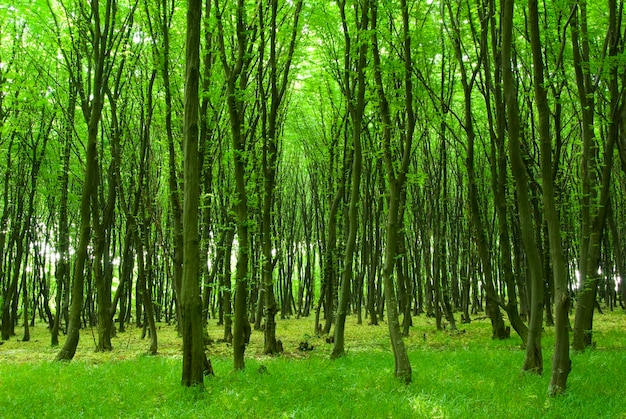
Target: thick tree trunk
pixel 194 358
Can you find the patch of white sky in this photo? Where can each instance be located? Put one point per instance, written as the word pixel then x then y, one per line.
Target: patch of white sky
pixel 140 37
pixel 616 279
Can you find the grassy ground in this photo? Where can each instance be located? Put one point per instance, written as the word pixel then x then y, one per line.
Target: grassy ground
pixel 455 375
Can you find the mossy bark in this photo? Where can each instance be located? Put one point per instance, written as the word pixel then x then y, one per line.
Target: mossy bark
pixel 194 359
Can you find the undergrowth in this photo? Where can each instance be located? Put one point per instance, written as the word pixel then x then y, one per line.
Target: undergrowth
pixel 456 374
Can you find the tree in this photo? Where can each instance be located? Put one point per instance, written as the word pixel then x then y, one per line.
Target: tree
pixel 165 12
pixel 62 267
pixel 561 363
pixel 271 119
pixel 397 183
pixel 594 200
pixel 195 363
pixel 497 119
pixel 354 91
pixel 237 72
pixel 534 358
pixel 92 96
pixel 499 331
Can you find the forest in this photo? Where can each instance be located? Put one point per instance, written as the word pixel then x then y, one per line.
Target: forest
pixel 225 167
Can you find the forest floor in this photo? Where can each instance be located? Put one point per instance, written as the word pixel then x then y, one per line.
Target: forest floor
pixel 461 373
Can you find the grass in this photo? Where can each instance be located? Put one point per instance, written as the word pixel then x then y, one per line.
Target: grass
pixel 455 375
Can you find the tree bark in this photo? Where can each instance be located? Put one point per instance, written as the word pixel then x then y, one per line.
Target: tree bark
pixel 561 364
pixel 355 95
pixel 194 358
pixel 237 74
pixel 499 331
pixel 397 183
pixel 534 358
pixel 595 205
pixel 498 153
pixel 271 143
pixel 93 113
pixel 63 243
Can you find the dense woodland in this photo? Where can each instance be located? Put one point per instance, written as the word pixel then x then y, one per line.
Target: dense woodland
pixel 243 162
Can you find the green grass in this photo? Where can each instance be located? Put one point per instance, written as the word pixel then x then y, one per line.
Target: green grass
pixel 464 375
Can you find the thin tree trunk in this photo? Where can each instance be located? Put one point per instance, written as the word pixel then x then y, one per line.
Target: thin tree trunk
pixel 174 189
pixel 146 298
pixel 278 85
pixel 89 190
pixel 10 297
pixel 62 267
pixel 499 331
pixel 498 160
pixel 534 357
pixel 561 364
pixel 103 45
pixel 356 106
pixel 397 184
pixel 594 205
pixel 237 74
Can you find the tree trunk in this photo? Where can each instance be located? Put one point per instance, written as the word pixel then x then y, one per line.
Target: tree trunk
pixel 499 331
pixel 397 184
pixel 62 267
pixel 89 190
pixel 225 281
pixel 498 160
pixel 271 143
pixel 355 96
pixel 237 74
pixel 92 103
pixel 534 357
pixel 146 298
pixel 194 358
pixel 594 205
pixel 10 297
pixel 176 211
